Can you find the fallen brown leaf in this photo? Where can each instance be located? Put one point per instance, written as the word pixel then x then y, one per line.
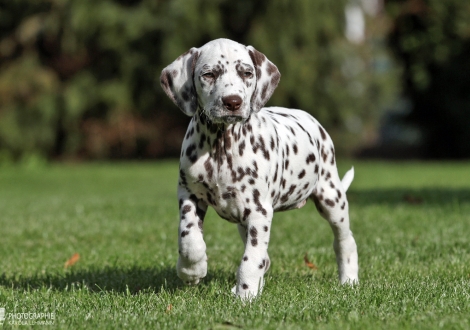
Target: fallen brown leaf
pixel 309 264
pixel 72 261
pixel 169 308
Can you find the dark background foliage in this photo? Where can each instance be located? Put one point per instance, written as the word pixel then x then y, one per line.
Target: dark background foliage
pixel 79 79
pixel 431 39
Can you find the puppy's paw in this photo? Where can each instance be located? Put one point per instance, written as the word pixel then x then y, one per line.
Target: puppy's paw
pixel 353 280
pixel 191 273
pixel 247 293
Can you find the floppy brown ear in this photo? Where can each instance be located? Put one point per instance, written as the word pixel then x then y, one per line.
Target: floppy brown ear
pixel 177 81
pixel 267 78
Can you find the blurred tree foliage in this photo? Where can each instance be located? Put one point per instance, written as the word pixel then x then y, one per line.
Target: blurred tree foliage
pixel 432 40
pixel 80 78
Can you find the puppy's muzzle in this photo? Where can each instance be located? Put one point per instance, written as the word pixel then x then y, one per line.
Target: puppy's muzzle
pixel 232 105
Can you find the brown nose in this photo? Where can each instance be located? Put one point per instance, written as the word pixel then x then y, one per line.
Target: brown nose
pixel 232 102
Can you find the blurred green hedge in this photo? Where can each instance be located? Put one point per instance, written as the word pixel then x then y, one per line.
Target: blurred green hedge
pixel 79 79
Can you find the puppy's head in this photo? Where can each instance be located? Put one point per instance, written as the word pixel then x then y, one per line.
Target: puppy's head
pixel 226 80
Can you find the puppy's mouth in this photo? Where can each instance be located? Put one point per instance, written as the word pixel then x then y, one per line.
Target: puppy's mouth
pixel 227 117
pixel 232 119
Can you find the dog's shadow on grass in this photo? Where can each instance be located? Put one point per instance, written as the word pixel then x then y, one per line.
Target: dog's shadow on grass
pixel 401 196
pixel 133 280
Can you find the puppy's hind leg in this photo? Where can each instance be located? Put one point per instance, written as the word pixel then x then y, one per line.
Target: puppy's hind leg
pixel 331 202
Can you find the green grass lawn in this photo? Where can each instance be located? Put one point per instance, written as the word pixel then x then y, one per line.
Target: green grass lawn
pixel 411 222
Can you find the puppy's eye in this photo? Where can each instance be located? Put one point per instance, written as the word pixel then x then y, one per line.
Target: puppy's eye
pixel 247 74
pixel 209 75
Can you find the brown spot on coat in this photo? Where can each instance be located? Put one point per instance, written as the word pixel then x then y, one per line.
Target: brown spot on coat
pixel 246 213
pixel 253 232
pixel 322 133
pixel 329 202
pixel 186 209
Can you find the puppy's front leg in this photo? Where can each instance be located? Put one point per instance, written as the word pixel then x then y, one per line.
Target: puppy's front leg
pixel 192 261
pixel 255 260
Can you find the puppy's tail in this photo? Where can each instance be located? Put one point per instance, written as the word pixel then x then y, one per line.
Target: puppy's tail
pixel 347 179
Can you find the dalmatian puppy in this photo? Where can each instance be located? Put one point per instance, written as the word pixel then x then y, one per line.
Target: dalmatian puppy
pixel 247 162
